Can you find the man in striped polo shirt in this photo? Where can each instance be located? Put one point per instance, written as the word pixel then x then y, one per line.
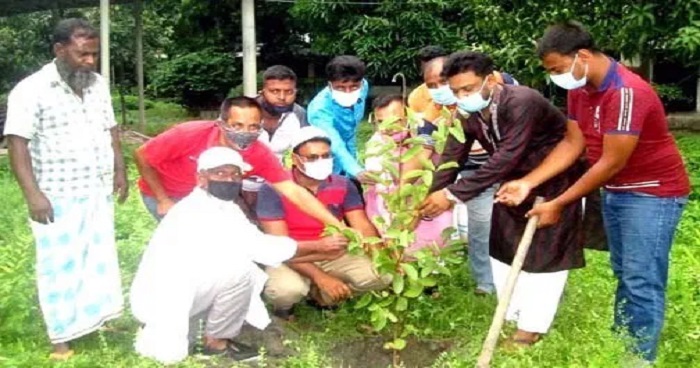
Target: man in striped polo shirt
pixel 634 158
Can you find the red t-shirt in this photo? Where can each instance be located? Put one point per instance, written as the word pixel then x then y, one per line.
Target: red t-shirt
pixel 626 104
pixel 173 154
pixel 337 193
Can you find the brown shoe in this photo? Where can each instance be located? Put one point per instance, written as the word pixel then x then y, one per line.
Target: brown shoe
pixel 521 340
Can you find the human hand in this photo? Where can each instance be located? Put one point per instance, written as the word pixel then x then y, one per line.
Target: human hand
pixel 40 209
pixel 333 287
pixel 435 204
pixel 121 185
pixel 333 243
pixel 513 193
pixel 164 206
pixel 548 212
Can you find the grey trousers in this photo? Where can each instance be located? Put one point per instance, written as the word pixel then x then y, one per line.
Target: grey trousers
pixel 223 307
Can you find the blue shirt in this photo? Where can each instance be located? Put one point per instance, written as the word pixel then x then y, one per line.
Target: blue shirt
pixel 340 123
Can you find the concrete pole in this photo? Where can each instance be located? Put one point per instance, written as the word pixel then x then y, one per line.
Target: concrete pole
pixel 250 88
pixel 104 40
pixel 138 20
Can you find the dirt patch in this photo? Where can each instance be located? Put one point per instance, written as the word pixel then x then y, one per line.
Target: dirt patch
pixel 370 353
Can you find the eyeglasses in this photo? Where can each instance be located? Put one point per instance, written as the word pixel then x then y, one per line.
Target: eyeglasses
pixel 281 92
pixel 312 158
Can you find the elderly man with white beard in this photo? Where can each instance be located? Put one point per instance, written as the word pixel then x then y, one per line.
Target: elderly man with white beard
pixel 65 153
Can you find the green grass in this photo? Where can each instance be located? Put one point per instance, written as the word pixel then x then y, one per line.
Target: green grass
pixel 580 337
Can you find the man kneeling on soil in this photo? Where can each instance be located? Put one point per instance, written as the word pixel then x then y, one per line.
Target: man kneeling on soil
pixel 200 265
pixel 330 275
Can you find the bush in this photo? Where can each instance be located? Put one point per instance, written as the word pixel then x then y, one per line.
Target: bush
pixel 199 79
pixel 130 103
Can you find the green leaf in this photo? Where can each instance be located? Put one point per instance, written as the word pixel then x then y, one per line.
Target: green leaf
pixel 391 316
pixel 397 344
pixel 411 153
pixel 457 132
pixel 427 164
pixel 364 301
pixel 378 320
pixel 413 291
pixel 401 304
pixel 410 271
pixel 398 284
pixel 448 165
pixel 428 281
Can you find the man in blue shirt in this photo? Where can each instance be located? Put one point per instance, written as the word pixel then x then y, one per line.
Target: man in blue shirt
pixel 338 110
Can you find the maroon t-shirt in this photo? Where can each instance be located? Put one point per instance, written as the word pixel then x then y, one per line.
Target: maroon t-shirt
pixel 626 104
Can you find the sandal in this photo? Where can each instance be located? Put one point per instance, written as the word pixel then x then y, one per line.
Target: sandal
pixel 61 356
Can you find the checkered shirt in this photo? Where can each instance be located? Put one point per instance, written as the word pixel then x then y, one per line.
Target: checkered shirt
pixel 69 138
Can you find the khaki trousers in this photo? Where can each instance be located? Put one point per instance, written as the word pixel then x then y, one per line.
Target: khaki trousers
pixel 285 287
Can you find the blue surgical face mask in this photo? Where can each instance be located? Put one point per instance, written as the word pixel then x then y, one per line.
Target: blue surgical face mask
pixel 474 102
pixel 567 80
pixel 443 95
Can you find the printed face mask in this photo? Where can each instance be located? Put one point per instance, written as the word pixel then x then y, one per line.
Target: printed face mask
pixel 567 80
pixel 242 139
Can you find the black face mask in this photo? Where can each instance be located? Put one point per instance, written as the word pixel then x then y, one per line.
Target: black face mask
pixel 275 110
pixel 224 190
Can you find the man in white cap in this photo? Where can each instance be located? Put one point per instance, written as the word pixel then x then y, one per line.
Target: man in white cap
pixel 330 277
pixel 200 264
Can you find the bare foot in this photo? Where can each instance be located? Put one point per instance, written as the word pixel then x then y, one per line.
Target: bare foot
pixel 521 339
pixel 61 352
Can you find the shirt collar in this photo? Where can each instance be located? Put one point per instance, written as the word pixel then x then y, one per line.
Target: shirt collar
pixel 612 77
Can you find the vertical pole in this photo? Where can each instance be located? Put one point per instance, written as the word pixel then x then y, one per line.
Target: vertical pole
pixel 138 20
pixel 249 48
pixel 697 93
pixel 104 40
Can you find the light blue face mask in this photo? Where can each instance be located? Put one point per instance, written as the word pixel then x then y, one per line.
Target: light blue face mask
pixel 474 102
pixel 443 95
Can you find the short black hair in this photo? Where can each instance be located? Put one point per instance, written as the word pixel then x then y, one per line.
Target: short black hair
pixel 296 149
pixel 431 52
pixel 566 39
pixel 279 72
pixel 67 29
pixel 385 100
pixel 467 61
pixel 240 101
pixel 345 68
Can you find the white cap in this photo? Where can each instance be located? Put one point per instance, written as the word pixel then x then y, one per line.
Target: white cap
pixel 308 133
pixel 220 156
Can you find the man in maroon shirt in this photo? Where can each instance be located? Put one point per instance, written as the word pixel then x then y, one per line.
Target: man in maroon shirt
pixel 167 163
pixel 633 157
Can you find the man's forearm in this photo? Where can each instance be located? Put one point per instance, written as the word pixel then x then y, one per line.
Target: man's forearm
pixel 117 148
pixel 308 270
pixel 593 179
pixel 564 154
pixel 21 163
pixel 150 176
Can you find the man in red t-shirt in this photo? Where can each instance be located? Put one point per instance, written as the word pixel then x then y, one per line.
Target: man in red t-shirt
pixel 167 163
pixel 633 157
pixel 329 277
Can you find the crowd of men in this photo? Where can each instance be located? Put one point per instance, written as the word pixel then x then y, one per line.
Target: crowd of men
pixel 236 227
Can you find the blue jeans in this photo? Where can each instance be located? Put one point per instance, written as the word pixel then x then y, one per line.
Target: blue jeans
pixel 152 205
pixel 640 230
pixel 478 232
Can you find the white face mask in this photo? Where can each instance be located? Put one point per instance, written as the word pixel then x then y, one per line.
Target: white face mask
pixel 320 169
pixel 346 99
pixel 567 80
